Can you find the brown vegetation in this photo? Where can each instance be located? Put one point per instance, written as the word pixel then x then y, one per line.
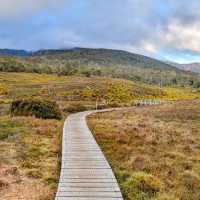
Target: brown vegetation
pixel 153 150
pixel 30 146
pixel 29 159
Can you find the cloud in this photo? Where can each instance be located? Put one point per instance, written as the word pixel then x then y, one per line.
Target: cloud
pixel 151 27
pixel 15 8
pixel 184 37
pixel 176 32
pixel 175 36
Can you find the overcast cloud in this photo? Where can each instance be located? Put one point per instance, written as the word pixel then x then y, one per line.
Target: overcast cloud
pixel 11 9
pixel 165 29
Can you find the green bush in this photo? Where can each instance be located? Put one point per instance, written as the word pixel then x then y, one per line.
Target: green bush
pixel 35 107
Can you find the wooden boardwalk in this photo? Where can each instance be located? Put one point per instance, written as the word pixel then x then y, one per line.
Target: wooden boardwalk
pixel 85 172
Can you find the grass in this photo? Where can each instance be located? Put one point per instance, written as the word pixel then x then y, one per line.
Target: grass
pixel 180 94
pixel 78 88
pixel 10 127
pixel 154 151
pixel 34 149
pixel 30 147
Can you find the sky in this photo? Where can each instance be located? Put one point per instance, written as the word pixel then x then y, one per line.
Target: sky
pixel 164 29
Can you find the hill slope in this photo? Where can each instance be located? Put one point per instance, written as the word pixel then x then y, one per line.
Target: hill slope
pixel 192 67
pixel 101 62
pixel 107 57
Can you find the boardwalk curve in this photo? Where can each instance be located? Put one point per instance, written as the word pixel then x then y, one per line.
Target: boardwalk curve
pixel 85 172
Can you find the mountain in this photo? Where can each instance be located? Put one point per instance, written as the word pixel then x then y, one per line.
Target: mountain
pixel 13 52
pixel 104 57
pixel 192 67
pixel 98 62
pixel 93 56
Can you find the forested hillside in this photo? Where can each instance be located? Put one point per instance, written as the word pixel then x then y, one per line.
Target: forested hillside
pixel 99 62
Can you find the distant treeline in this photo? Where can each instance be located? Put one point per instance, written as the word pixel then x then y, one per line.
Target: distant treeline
pixel 100 62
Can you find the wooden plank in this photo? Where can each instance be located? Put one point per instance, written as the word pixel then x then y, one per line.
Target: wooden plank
pixel 85 172
pixel 86 176
pixel 87 198
pixel 111 194
pixel 65 172
pixel 89 185
pixel 84 180
pixel 82 189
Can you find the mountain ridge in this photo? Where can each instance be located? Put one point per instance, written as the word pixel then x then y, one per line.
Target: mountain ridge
pixel 51 52
pixel 15 52
pixel 98 62
pixel 106 53
pixel 43 52
pixel 192 67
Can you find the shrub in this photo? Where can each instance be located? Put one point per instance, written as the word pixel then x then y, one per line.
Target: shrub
pixel 190 186
pixel 35 107
pixel 3 90
pixel 122 175
pixel 34 174
pixel 141 185
pixel 51 180
pixel 166 197
pixel 76 107
pixel 118 94
pixel 102 106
